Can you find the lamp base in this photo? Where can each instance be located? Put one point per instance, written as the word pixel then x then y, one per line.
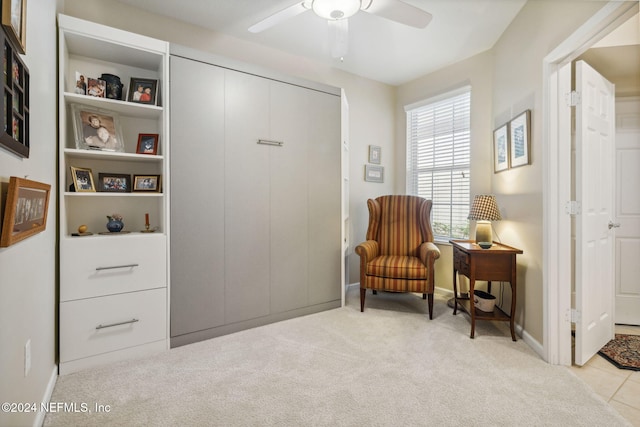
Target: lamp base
pixel 484 236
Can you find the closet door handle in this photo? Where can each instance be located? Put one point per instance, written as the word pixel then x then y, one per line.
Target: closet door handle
pixel 117 266
pixel 117 324
pixel 270 142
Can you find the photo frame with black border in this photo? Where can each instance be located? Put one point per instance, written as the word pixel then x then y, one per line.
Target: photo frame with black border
pixel 114 183
pixel 148 143
pixel 25 211
pixel 147 183
pixel 82 180
pixel 143 91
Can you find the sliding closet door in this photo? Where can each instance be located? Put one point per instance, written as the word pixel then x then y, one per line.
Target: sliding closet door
pixel 197 196
pixel 247 198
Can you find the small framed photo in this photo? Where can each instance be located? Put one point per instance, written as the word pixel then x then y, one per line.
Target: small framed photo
pixel 373 173
pixel 81 84
pixel 96 88
pixel 149 183
pixel 83 180
pixel 143 91
pixel 501 148
pixel 374 154
pixel 114 183
pixel 147 143
pixel 519 140
pixel 97 129
pixel 25 211
pixel 14 20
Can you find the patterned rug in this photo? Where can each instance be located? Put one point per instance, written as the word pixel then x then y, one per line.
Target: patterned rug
pixel 623 351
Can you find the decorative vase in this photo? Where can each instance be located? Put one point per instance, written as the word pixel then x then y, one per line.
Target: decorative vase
pixel 114 86
pixel 115 226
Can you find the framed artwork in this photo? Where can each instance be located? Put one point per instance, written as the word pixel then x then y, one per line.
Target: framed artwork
pixel 96 88
pixel 519 140
pixel 373 173
pixel 97 129
pixel 149 183
pixel 114 183
pixel 14 20
pixel 83 180
pixel 25 211
pixel 374 154
pixel 14 117
pixel 81 84
pixel 147 143
pixel 143 91
pixel 501 148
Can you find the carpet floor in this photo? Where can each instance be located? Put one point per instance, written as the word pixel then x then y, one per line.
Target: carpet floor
pixel 623 351
pixel 388 366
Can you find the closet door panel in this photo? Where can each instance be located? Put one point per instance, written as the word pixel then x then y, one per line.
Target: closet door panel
pixel 324 198
pixel 246 201
pixel 289 198
pixel 197 196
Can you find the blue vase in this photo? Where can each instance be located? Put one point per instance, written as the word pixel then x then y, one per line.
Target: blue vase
pixel 115 226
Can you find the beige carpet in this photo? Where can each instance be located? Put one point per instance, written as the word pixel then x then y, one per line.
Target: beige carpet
pixel 388 366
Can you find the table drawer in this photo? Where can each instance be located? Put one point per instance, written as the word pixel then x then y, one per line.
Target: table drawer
pixel 97 266
pixel 461 261
pixel 99 325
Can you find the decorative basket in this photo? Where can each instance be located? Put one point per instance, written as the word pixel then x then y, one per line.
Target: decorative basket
pixel 483 301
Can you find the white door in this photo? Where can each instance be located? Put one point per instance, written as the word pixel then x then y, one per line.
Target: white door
pixel 627 210
pixel 595 145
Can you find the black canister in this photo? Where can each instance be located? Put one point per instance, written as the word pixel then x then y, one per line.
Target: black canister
pixel 114 86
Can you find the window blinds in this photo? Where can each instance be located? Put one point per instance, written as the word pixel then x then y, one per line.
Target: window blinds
pixel 439 157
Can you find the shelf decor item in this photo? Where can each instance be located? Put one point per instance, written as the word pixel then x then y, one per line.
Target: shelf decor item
pixel 149 183
pixel 115 224
pixel 97 129
pixel 82 180
pixel 114 86
pixel 143 91
pixel 114 182
pixel 14 133
pixel 25 210
pixel 148 143
pixel 14 21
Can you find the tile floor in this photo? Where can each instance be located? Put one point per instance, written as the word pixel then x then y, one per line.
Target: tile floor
pixel 619 387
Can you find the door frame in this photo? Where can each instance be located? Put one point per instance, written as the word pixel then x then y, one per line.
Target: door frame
pixel 557 174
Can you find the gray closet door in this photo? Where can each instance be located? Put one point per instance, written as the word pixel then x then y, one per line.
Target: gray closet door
pixel 197 196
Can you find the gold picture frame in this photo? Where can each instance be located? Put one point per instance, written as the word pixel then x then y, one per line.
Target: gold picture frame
pixel 25 211
pixel 14 20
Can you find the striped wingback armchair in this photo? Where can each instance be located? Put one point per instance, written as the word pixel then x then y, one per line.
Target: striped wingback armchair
pixel 399 254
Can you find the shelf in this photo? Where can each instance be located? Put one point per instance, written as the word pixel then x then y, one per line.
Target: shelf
pixel 496 314
pixel 114 235
pixel 110 155
pixel 109 194
pixel 125 108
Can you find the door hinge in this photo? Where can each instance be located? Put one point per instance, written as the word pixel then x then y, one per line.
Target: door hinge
pixel 573 98
pixel 574 315
pixel 573 207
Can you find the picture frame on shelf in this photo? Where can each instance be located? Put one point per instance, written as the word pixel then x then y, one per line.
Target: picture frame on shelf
pixel 501 148
pixel 25 211
pixel 148 183
pixel 114 183
pixel 143 91
pixel 374 173
pixel 14 21
pixel 97 129
pixel 96 88
pixel 520 140
pixel 81 84
pixel 82 180
pixel 148 143
pixel 375 153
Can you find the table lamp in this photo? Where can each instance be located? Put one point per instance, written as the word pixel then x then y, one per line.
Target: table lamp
pixel 484 209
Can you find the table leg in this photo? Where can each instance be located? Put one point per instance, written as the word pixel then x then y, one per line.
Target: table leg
pixel 455 291
pixel 472 307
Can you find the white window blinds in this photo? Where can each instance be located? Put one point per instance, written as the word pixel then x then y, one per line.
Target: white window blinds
pixel 438 159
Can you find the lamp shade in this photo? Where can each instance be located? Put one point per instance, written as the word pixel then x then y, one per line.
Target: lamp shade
pixel 484 208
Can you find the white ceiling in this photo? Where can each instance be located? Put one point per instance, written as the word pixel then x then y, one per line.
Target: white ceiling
pixel 379 49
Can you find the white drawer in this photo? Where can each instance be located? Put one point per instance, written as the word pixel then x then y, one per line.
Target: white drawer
pixel 96 266
pixel 99 325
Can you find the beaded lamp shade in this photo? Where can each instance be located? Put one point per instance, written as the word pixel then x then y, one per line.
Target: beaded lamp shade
pixel 484 208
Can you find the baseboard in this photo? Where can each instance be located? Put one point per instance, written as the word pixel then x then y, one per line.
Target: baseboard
pixel 39 420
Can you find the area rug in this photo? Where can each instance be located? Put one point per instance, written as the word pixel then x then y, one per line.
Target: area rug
pixel 623 351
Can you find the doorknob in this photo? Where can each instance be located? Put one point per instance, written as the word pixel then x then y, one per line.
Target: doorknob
pixel 613 225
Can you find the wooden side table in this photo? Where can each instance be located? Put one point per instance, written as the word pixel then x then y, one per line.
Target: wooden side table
pixel 497 263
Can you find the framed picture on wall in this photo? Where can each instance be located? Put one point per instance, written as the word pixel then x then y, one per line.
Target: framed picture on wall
pixel 25 210
pixel 501 148
pixel 14 21
pixel 373 173
pixel 374 154
pixel 519 140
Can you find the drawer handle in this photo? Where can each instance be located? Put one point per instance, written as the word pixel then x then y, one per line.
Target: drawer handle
pixel 270 142
pixel 117 324
pixel 117 266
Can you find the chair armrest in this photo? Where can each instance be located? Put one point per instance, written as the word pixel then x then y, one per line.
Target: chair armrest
pixel 429 253
pixel 368 250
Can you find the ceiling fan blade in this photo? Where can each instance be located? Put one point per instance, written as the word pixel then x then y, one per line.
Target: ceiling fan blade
pixel 279 17
pixel 399 11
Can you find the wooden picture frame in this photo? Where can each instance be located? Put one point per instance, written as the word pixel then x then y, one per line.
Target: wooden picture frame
pixel 25 211
pixel 373 173
pixel 114 183
pixel 143 91
pixel 82 180
pixel 148 143
pixel 97 129
pixel 501 148
pixel 148 183
pixel 375 153
pixel 520 140
pixel 14 21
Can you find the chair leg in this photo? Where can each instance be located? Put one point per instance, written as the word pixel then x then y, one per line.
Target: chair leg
pixel 424 296
pixel 363 292
pixel 430 306
pixel 374 292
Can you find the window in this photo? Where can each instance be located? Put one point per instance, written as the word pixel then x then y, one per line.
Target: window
pixel 439 157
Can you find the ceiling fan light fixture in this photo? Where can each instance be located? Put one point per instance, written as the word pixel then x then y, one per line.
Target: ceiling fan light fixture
pixel 335 9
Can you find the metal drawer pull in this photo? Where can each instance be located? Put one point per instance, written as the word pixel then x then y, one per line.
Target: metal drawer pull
pixel 613 225
pixel 268 142
pixel 117 324
pixel 117 266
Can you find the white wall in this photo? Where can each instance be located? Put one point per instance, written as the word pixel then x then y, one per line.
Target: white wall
pixel 27 268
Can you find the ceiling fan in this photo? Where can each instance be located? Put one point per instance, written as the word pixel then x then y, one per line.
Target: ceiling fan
pixel 337 12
